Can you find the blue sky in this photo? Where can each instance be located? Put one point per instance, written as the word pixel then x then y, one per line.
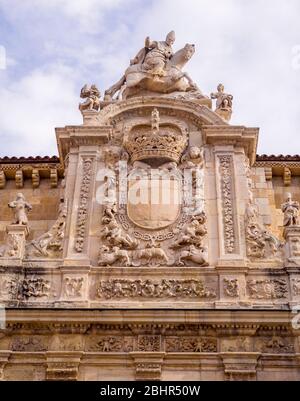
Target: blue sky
pixel 54 47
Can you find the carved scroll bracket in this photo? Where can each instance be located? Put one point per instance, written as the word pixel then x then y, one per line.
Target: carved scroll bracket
pixel 148 365
pixel 240 367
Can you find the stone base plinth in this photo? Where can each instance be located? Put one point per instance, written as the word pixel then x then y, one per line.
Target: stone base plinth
pixel 292 237
pixel 14 251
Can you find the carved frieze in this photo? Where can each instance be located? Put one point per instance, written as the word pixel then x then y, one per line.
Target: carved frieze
pixel 29 344
pixel 275 345
pixel 237 344
pixel 65 342
pixel 190 344
pixel 36 287
pixel 268 289
pixel 154 289
pixel 15 288
pixel 109 344
pixel 149 343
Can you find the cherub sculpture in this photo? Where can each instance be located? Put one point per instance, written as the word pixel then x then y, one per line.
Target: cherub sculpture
pixel 194 157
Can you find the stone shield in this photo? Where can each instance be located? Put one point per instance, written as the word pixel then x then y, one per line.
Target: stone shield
pixel 154 203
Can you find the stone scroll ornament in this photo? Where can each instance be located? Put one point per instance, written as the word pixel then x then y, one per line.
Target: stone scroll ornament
pixel 50 244
pixel 83 207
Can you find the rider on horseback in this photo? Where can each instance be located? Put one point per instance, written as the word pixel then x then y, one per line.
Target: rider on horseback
pixel 155 55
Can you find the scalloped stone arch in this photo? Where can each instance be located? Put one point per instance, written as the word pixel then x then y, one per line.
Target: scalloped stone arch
pixel 198 113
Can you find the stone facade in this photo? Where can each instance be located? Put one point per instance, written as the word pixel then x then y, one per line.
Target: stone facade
pixel 98 287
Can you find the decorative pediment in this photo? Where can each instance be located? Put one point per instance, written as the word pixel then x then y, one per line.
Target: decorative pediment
pixel 195 111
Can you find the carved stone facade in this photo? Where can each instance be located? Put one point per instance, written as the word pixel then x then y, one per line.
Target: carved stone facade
pixel 157 243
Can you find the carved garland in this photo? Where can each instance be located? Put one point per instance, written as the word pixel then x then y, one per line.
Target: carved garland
pixel 83 205
pixel 227 195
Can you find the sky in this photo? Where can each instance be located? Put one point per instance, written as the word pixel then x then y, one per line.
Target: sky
pixel 50 48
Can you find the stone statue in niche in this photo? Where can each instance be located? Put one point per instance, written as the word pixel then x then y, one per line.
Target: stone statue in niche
pixel 20 208
pixel 92 96
pixel 290 209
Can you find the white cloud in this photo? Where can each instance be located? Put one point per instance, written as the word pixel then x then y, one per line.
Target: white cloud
pixel 88 15
pixel 31 108
pixel 246 45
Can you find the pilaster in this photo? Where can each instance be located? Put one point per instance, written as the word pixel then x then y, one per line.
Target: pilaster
pixel 82 145
pixel 231 145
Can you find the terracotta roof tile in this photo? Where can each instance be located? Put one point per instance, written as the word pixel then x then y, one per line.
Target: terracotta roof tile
pixel 29 160
pixel 280 158
pixel 55 159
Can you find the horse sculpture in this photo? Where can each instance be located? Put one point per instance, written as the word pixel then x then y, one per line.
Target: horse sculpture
pixel 136 79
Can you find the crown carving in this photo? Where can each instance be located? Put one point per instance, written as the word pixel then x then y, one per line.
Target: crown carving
pixel 167 143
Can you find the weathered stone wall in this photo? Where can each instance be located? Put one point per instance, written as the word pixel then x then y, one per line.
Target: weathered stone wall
pixel 103 291
pixel 44 201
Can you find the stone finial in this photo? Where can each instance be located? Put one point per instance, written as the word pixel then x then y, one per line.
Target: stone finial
pixel 92 96
pixel 20 207
pixel 224 102
pixel 290 209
